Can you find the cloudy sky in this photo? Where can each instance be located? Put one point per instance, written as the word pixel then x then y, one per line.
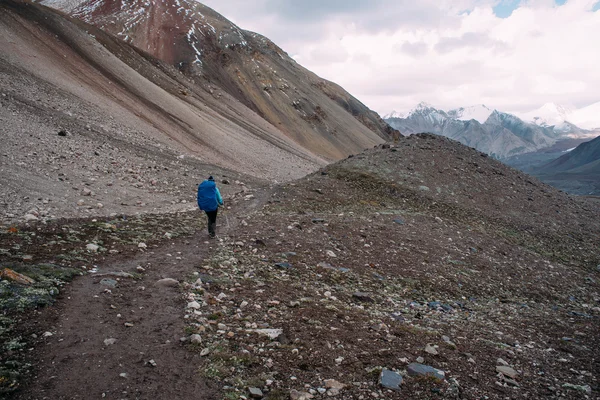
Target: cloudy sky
pixel 509 54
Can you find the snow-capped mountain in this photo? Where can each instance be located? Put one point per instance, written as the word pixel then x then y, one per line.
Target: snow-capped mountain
pixel 550 114
pixel 562 116
pixel 491 131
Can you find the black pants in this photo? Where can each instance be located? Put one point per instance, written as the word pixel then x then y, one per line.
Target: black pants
pixel 212 221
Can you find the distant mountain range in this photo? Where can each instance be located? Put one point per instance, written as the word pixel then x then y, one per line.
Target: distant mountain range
pixel 494 132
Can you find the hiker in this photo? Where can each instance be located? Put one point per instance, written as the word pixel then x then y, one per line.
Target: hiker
pixel 209 200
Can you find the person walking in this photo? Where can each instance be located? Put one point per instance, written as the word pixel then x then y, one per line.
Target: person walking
pixel 209 200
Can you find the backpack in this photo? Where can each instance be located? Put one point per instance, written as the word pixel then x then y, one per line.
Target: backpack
pixel 207 196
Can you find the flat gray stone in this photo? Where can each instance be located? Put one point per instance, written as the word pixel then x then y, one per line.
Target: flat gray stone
pixel 255 393
pixel 167 282
pixel 108 282
pixel 507 371
pixel 390 379
pixel 416 369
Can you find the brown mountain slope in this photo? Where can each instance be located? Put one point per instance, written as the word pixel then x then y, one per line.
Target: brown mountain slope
pixel 57 75
pixel 216 53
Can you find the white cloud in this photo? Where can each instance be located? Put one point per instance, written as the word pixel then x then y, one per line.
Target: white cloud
pixel 394 54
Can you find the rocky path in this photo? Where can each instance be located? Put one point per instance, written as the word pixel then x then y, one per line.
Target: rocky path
pixel 116 333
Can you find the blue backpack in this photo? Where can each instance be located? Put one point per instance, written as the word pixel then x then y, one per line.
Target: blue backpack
pixel 207 196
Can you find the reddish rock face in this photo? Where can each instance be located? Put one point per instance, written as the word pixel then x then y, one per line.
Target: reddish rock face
pixel 317 114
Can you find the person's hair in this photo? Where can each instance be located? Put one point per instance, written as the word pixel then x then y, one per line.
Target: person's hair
pixel 210 178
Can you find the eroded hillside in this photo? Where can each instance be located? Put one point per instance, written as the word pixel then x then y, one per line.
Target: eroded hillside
pixel 318 114
pixel 92 125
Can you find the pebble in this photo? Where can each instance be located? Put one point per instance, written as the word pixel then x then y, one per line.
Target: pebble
pixel 196 339
pixel 142 245
pixel 92 247
pixel 431 349
pixel 330 254
pixel 110 341
pixel 194 304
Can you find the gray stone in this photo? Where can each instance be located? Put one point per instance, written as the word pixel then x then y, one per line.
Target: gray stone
pixel 255 393
pixel 399 221
pixel 390 379
pixel 167 282
pixel 416 369
pixel 111 341
pixel 108 282
pixel 507 371
pixel 196 339
pixel 580 388
pixel 283 265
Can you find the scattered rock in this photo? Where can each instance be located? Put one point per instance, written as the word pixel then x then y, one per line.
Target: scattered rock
pixel 194 304
pixel 333 384
pixel 283 265
pixel 30 217
pixel 255 393
pixel 167 282
pixel 142 245
pixel 92 247
pixel 390 379
pixel 108 282
pixel 330 254
pixel 431 349
pixel 580 388
pixel 110 341
pixel 195 338
pixel 271 333
pixel 416 369
pixel 296 395
pixel 507 371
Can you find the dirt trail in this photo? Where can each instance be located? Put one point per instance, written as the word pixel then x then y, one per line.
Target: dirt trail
pixel 77 363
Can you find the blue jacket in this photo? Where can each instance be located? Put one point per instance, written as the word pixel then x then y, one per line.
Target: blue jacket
pixel 209 197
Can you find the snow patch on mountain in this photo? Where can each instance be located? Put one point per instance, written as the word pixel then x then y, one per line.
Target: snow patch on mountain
pixel 550 114
pixel 478 112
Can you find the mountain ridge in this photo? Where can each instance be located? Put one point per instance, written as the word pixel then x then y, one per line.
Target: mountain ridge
pixel 497 133
pixel 217 54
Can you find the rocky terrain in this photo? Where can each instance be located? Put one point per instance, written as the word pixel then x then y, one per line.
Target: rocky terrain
pixel 92 123
pixel 407 271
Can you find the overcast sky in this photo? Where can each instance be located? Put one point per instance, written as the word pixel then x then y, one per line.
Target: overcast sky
pixel 391 54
